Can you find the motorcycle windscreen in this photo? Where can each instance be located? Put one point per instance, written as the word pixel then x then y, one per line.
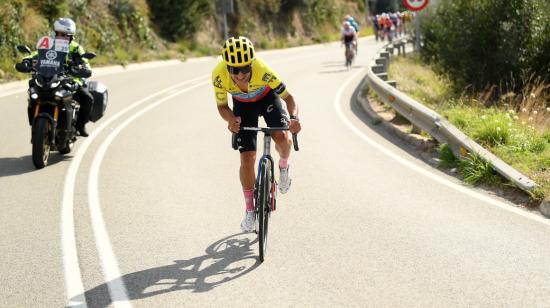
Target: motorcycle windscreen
pixel 51 56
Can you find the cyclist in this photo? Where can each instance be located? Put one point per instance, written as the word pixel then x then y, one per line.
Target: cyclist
pixel 355 26
pixel 352 22
pixel 349 37
pixel 375 26
pixel 387 26
pixel 65 28
pixel 255 91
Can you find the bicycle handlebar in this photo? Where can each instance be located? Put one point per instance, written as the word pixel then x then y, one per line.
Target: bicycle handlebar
pixel 265 130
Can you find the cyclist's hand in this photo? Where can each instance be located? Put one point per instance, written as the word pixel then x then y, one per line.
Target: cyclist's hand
pixel 234 125
pixel 294 126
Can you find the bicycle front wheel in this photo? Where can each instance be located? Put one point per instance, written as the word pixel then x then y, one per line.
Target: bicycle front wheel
pixel 263 205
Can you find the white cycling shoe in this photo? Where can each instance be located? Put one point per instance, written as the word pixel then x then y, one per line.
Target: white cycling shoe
pixel 284 180
pixel 247 225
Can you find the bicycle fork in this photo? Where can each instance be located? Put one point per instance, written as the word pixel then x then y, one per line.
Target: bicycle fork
pixel 274 185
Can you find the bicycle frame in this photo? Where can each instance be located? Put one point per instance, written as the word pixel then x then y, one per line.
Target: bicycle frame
pixel 266 187
pixel 266 157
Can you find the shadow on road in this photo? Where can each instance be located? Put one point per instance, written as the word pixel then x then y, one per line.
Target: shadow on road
pixel 331 63
pixel 343 70
pixel 225 260
pixel 10 166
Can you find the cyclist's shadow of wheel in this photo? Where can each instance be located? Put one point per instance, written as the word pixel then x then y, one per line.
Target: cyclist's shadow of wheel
pixel 225 260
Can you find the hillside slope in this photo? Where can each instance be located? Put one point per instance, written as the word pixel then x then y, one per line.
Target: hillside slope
pixel 123 31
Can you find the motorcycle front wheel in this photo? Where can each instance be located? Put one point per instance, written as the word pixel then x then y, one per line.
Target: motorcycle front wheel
pixel 40 143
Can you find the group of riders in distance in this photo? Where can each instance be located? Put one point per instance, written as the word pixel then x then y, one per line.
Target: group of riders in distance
pixel 386 26
pixel 391 25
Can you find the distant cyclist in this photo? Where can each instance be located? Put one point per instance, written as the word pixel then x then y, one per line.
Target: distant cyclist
pixel 348 37
pixel 255 91
pixel 375 27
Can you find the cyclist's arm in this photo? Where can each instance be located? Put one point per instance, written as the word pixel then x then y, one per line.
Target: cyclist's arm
pixel 292 108
pixel 233 122
pixel 226 113
pixel 291 105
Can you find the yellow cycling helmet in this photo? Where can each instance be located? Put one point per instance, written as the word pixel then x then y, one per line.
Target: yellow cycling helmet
pixel 238 51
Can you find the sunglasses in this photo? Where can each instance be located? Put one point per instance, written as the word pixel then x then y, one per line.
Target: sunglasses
pixel 236 70
pixel 61 34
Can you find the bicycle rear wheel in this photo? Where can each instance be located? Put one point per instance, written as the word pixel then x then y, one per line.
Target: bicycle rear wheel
pixel 263 205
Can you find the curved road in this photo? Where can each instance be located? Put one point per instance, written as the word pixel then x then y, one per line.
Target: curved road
pixel 146 211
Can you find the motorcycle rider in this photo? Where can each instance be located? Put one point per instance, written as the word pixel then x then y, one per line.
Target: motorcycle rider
pixel 78 67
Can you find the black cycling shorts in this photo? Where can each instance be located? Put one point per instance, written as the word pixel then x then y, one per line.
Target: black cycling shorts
pixel 269 107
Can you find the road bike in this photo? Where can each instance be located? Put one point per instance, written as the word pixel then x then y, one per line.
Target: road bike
pixel 350 54
pixel 265 190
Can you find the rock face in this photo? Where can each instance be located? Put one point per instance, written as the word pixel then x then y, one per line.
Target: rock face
pixel 544 207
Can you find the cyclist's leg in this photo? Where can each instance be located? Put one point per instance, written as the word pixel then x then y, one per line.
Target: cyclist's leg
pixel 276 115
pixel 246 142
pixel 346 53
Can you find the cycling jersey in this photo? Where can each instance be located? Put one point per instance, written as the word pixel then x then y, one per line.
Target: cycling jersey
pixel 349 35
pixel 262 80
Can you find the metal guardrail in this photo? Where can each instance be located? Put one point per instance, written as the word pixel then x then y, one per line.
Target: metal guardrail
pixel 430 121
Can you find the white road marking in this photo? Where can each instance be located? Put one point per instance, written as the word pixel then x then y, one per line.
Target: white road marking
pixel 431 175
pixel 73 282
pixel 103 244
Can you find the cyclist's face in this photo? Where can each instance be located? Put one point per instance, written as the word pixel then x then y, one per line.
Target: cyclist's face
pixel 240 73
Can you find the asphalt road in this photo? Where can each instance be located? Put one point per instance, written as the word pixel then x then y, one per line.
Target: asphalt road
pixel 146 211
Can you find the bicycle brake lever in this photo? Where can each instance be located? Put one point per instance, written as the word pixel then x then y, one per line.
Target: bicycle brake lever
pixel 295 142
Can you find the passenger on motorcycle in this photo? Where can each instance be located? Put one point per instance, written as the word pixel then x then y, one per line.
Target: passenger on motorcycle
pixel 65 28
pixel 352 22
pixel 255 90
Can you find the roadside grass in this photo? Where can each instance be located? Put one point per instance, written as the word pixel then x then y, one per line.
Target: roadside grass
pixel 447 159
pixel 516 128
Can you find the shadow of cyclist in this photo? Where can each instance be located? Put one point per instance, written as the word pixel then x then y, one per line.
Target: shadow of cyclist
pixel 225 260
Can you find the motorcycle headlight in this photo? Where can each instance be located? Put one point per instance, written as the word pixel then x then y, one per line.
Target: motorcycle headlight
pixel 34 96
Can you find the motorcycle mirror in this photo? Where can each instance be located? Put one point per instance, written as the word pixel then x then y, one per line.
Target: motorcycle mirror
pixel 24 49
pixel 22 68
pixel 89 55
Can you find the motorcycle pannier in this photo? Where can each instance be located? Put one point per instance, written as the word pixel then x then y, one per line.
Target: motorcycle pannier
pixel 100 94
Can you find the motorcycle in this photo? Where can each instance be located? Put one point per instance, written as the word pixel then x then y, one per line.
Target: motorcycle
pixel 52 111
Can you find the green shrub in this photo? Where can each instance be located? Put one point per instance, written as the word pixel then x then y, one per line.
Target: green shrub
pixel 51 9
pixel 489 42
pixel 178 19
pixel 475 170
pixel 446 157
pixel 493 130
